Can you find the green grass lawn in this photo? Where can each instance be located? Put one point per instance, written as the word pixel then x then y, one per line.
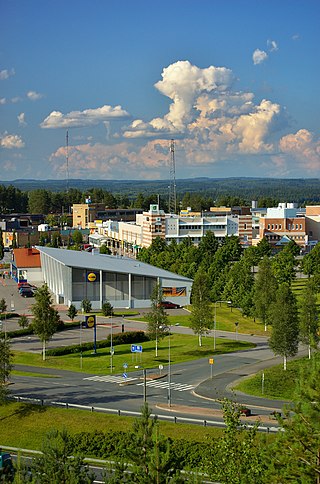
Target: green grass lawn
pixel 278 383
pixel 226 318
pixel 25 426
pixel 33 374
pixel 183 348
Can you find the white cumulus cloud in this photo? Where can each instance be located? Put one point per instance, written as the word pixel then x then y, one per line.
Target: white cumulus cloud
pixel 88 117
pixel 259 56
pixel 304 146
pixel 9 141
pixel 272 45
pixel 182 82
pixel 21 118
pixel 5 74
pixel 212 122
pixel 34 96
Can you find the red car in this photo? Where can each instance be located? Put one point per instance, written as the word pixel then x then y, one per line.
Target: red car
pixel 26 285
pixel 169 305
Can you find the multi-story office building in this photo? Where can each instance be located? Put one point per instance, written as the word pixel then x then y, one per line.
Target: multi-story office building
pixel 283 223
pixel 278 225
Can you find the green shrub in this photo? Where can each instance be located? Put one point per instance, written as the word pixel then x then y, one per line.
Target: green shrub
pixel 117 339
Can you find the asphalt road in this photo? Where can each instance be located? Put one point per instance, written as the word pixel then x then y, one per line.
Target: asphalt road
pixel 191 384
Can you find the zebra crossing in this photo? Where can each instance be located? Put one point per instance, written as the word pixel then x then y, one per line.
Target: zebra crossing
pixel 110 379
pixel 180 387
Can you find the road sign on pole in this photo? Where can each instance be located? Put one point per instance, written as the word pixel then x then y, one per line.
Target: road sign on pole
pixel 211 363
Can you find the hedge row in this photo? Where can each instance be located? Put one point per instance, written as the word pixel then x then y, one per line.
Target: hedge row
pixel 184 454
pixel 117 339
pixel 9 315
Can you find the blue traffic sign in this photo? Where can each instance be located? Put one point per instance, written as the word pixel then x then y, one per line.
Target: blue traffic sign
pixel 136 348
pixel 125 365
pixel 124 375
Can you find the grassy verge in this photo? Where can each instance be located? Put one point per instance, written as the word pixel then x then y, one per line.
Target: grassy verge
pixel 183 348
pixel 24 425
pixel 278 384
pixel 33 374
pixel 225 321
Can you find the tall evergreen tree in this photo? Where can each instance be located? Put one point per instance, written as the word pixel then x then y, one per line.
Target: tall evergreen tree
pixel 151 451
pixel 309 317
pixel 201 311
pixel 284 339
pixel 265 287
pixel 56 465
pixel 46 317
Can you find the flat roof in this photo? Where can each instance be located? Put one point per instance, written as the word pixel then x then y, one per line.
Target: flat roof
pixel 111 263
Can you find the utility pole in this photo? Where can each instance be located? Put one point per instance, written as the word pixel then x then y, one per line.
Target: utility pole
pixel 172 188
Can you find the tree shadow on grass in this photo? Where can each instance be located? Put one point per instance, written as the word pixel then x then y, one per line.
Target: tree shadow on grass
pixel 26 409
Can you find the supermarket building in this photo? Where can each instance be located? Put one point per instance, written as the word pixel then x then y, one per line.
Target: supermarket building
pixel 73 276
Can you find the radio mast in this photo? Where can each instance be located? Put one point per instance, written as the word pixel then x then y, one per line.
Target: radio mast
pixel 172 188
pixel 67 160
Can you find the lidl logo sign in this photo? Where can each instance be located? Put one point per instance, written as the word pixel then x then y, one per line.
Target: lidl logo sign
pixel 92 277
pixel 90 321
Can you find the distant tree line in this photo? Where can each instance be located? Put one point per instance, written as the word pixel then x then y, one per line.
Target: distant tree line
pixel 199 194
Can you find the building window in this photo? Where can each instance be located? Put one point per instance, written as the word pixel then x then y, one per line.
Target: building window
pixel 245 226
pixel 289 226
pixel 272 227
pixel 268 226
pixel 300 226
pixel 280 227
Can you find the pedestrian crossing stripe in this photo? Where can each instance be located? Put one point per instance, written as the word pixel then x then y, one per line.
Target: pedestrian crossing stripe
pixel 109 379
pixel 180 387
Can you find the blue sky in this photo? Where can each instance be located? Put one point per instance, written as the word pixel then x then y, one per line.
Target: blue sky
pixel 234 83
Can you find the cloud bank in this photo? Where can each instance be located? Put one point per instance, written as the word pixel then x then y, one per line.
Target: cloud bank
pixel 212 122
pixel 88 117
pixel 10 141
pixel 5 74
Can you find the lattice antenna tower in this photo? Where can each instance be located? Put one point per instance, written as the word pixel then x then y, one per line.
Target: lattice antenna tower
pixel 67 160
pixel 172 188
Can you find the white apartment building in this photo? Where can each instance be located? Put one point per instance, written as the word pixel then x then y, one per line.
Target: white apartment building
pixel 180 228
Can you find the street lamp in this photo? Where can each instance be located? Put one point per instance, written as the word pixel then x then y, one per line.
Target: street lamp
pixel 169 362
pixel 215 321
pixel 236 323
pixel 81 323
pixel 111 348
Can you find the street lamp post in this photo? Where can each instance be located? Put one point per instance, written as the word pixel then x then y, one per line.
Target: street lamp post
pixel 169 362
pixel 111 348
pixel 81 322
pixel 215 321
pixel 236 324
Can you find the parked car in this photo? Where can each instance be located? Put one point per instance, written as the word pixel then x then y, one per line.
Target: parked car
pixel 26 292
pixel 169 305
pixel 26 285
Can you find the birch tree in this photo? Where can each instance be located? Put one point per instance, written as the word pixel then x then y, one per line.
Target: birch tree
pixel 46 317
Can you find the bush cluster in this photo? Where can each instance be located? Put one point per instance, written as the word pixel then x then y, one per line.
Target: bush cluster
pixel 117 339
pixel 119 446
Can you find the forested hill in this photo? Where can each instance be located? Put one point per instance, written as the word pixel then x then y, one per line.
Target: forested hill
pixel 298 190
